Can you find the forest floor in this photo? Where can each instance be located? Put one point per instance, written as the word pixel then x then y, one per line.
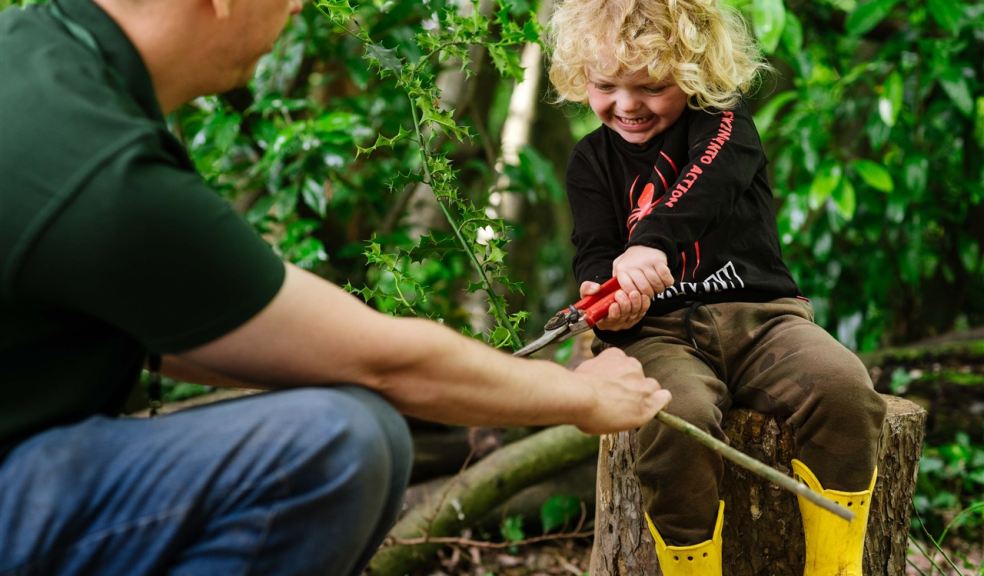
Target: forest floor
pixel 572 558
pixel 568 558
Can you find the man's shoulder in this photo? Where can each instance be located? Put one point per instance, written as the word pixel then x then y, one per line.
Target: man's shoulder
pixel 63 122
pixel 59 107
pixel 55 86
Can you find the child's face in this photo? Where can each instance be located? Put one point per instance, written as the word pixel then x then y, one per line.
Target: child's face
pixel 635 105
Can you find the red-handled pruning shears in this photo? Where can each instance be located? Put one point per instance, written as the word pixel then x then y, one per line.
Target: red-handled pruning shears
pixel 576 318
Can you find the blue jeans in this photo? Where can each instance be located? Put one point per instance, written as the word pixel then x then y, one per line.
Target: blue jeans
pixel 305 481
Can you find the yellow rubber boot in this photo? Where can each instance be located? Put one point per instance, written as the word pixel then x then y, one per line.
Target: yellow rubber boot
pixel 834 546
pixel 702 559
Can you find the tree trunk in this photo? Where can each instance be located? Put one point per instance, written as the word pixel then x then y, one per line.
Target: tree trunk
pixel 762 531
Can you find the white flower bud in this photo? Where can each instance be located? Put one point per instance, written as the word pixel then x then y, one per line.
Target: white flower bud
pixel 484 234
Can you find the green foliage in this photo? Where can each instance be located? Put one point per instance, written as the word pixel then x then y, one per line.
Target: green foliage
pixel 512 529
pixel 413 71
pixel 874 133
pixel 559 511
pixel 171 390
pixel 949 488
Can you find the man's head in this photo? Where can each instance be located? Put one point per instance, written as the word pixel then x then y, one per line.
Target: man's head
pixel 245 30
pixel 698 46
pixel 198 47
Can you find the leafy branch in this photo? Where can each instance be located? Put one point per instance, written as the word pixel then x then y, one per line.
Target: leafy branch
pixel 447 37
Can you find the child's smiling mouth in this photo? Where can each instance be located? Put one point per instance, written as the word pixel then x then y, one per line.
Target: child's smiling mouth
pixel 636 121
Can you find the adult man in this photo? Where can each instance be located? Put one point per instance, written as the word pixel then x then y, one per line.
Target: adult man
pixel 111 247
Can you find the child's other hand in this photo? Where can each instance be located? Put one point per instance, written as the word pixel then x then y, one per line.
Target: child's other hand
pixel 642 269
pixel 625 312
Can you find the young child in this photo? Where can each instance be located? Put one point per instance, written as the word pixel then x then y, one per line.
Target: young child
pixel 671 196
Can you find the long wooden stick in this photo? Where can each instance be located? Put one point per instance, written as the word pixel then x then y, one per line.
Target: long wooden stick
pixel 753 465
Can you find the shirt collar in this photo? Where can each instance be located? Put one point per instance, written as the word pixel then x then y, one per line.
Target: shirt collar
pixel 117 51
pixel 643 150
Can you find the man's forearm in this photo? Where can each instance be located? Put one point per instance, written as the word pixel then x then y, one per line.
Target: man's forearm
pixel 448 377
pixel 314 333
pixel 184 370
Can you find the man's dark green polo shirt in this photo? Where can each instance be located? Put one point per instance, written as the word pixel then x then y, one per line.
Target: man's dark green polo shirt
pixel 110 244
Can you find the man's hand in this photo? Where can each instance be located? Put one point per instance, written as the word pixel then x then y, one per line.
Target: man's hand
pixel 625 397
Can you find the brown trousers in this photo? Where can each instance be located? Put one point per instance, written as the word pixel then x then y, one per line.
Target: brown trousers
pixel 769 357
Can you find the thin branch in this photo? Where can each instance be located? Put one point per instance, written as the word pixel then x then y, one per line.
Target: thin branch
pixel 926 554
pixel 753 465
pixel 457 541
pixel 937 546
pixel 916 568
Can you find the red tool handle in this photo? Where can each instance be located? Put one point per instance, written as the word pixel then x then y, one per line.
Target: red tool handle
pixel 596 305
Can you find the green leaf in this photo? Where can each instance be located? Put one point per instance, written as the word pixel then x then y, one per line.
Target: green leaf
pixel 768 20
pixel 336 121
pixel 307 253
pixel 955 86
pixel 979 122
pixel 506 61
pixel 314 197
pixel 558 511
pixel 875 175
pixel 384 142
pixel 948 14
pixel 845 199
pixel 338 11
pixel 512 529
pixel 430 112
pixel 890 101
pixel 531 30
pixel 259 210
pixel 500 337
pixel 826 180
pixel 792 34
pixel 868 15
pixel 767 113
pixel 383 57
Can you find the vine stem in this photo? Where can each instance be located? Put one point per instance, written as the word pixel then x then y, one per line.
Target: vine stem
pixel 493 297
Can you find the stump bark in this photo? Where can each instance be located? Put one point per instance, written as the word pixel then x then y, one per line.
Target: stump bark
pixel 763 535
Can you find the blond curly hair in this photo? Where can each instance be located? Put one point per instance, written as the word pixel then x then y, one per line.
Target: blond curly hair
pixel 703 46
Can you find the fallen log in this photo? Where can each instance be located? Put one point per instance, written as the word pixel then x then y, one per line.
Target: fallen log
pixel 476 491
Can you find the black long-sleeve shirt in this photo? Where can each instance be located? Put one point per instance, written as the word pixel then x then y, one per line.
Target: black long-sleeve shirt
pixel 699 192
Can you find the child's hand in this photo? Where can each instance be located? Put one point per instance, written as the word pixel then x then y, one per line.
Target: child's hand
pixel 644 270
pixel 625 312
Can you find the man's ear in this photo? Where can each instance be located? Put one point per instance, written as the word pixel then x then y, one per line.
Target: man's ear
pixel 221 8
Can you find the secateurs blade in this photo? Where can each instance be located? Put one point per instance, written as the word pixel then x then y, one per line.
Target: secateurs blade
pixel 576 318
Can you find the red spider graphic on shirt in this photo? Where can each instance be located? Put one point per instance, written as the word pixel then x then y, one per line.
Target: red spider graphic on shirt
pixel 645 203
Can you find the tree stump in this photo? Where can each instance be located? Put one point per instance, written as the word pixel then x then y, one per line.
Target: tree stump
pixel 763 535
